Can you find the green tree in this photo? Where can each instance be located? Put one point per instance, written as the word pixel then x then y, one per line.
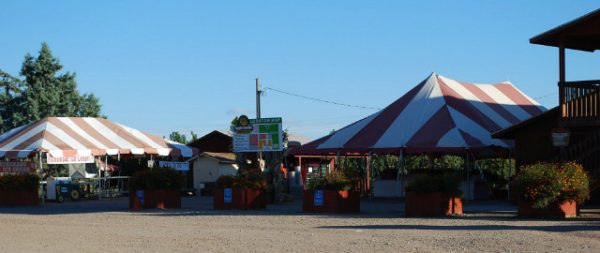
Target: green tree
pixel 44 92
pixel 177 137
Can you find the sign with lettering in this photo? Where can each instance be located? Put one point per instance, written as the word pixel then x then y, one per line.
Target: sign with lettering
pixel 69 159
pixel 318 201
pixel 181 166
pixel 227 195
pixel 17 167
pixel 257 135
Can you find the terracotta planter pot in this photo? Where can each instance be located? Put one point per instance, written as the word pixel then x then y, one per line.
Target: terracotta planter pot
pixel 241 198
pixel 561 209
pixel 432 204
pixel 19 198
pixel 331 201
pixel 154 199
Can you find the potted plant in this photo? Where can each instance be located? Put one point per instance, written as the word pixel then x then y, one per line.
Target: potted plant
pixel 240 192
pixel 19 190
pixel 155 188
pixel 433 196
pixel 332 193
pixel 550 189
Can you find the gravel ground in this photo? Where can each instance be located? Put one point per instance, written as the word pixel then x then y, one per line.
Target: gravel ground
pixel 107 226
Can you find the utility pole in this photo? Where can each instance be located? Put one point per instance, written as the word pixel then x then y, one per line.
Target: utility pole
pixel 258 93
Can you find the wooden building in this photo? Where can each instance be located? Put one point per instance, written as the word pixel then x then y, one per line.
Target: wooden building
pixel 579 106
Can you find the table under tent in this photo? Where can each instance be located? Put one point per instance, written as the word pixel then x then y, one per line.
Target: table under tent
pixel 438 116
pixel 81 141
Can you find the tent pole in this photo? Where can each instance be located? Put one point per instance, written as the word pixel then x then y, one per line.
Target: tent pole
pixel 509 173
pixel 99 183
pixel 41 172
pixel 399 175
pixel 468 172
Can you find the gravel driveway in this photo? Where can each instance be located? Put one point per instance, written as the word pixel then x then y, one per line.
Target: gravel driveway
pixel 107 226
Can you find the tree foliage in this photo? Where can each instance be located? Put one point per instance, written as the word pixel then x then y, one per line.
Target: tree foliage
pixel 43 92
pixel 181 138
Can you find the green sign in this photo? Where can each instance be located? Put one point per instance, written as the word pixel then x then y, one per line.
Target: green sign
pixel 257 135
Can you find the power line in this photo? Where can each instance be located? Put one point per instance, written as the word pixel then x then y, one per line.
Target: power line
pixel 322 100
pixel 545 96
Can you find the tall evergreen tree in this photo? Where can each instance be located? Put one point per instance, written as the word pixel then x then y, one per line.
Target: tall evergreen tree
pixel 44 92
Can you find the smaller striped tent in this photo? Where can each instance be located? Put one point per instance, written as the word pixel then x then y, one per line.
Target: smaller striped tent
pixel 438 115
pixel 85 136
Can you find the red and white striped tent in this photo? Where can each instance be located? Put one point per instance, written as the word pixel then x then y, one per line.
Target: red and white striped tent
pixel 84 136
pixel 438 115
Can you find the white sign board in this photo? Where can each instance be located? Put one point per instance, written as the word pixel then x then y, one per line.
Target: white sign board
pixel 181 166
pixel 69 159
pixel 257 135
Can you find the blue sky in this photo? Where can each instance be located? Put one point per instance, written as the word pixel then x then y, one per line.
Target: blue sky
pixel 165 66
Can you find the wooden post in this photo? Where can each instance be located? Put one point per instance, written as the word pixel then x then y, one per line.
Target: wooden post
pixel 561 80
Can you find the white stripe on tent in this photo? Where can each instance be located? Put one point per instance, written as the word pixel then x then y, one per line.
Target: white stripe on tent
pixel 413 117
pixel 64 137
pixel 83 133
pixel 452 138
pixel 11 145
pixel 341 137
pixel 185 150
pixel 505 101
pixel 141 136
pixel 472 128
pixel 476 102
pixel 10 133
pixel 108 133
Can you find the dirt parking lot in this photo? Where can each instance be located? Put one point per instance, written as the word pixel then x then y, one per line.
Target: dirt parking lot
pixel 108 226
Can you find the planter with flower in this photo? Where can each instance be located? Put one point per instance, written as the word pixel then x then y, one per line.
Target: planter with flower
pixel 241 192
pixel 550 189
pixel 19 190
pixel 155 188
pixel 331 193
pixel 433 196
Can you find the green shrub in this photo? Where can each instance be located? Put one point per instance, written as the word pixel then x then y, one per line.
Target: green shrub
pixel 545 183
pixel 253 180
pixel 156 179
pixel 446 183
pixel 19 182
pixel 335 181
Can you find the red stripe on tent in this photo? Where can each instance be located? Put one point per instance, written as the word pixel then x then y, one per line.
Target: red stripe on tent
pixel 518 98
pixel 309 147
pixel 94 133
pixel 57 142
pixel 15 151
pixel 458 103
pixel 370 134
pixel 435 128
pixel 470 139
pixel 69 153
pixel 65 128
pixel 98 152
pixel 484 97
pixel 22 132
pixel 150 151
pixel 123 133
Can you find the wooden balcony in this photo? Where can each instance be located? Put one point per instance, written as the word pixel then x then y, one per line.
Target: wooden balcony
pixel 580 103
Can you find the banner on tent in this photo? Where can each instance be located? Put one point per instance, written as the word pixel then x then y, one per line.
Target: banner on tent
pixel 17 167
pixel 69 159
pixel 182 166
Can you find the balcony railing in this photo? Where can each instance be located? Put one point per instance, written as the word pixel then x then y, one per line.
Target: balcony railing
pixel 580 102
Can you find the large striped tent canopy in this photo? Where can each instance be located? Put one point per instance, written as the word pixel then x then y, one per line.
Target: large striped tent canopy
pixel 84 136
pixel 438 115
